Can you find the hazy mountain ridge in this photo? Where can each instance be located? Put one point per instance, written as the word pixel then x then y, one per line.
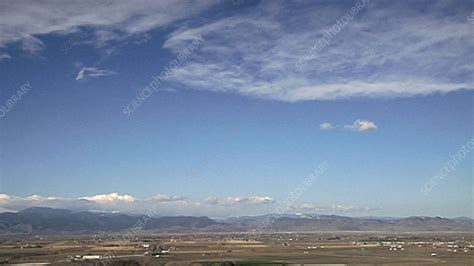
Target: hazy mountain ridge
pixel 47 220
pixel 50 221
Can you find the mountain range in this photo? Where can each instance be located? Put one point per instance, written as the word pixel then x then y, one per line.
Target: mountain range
pixel 39 220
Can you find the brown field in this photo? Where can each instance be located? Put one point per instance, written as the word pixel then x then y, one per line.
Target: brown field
pixel 244 249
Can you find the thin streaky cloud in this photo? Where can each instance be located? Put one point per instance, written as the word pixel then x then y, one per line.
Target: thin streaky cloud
pixel 26 22
pixel 92 72
pixel 404 56
pixel 4 56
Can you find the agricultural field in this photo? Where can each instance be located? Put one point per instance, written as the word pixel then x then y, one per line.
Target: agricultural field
pixel 243 249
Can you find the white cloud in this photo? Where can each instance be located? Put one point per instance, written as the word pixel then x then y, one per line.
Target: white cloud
pixel 235 201
pixel 362 125
pixel 4 197
pixel 357 88
pixel 308 207
pixel 326 126
pixel 92 72
pixel 256 53
pixel 24 22
pixel 112 197
pixel 167 198
pixel 251 200
pixel 417 51
pixel 4 56
pixel 165 204
pixel 41 198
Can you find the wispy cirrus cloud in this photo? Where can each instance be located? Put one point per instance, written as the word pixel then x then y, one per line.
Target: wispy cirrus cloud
pixel 4 56
pixel 418 51
pixel 92 72
pixel 25 22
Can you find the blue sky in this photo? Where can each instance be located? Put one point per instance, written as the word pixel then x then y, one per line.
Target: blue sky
pixel 263 98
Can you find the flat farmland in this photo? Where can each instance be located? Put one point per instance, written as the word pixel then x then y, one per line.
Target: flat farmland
pixel 243 249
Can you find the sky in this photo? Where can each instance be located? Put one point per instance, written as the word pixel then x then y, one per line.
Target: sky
pixel 225 108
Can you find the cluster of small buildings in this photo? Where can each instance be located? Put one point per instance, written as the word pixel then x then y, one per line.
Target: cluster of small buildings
pixel 23 246
pixel 450 246
pixel 143 245
pixel 454 247
pixel 157 252
pixel 391 243
pixel 396 248
pixel 87 257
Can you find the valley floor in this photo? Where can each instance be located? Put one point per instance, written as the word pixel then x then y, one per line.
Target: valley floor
pixel 242 249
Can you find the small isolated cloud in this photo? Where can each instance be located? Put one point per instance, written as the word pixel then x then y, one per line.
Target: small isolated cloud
pixel 108 198
pixel 92 72
pixel 4 57
pixel 362 125
pixel 326 126
pixel 4 197
pixel 234 201
pixel 167 198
